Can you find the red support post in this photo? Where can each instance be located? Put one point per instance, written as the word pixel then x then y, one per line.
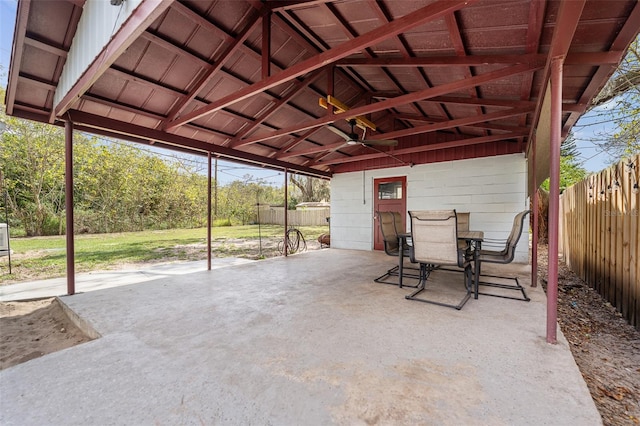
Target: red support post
pixel 208 211
pixel 554 198
pixel 535 224
pixel 286 216
pixel 68 188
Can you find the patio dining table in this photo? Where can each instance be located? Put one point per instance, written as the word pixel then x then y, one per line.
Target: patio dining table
pixel 472 238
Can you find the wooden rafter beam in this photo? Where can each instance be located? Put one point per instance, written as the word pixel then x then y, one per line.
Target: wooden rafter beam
pixel 266 45
pixel 577 58
pixel 407 22
pixel 128 76
pixel 211 70
pixel 488 126
pixel 423 148
pixel 458 100
pixel 461 51
pixel 37 82
pixel 280 5
pixel 149 114
pixel 534 32
pixel 440 124
pixel 407 53
pixel 313 150
pixel 420 95
pixel 295 90
pixel 351 33
pixel 459 122
pixel 46 47
pixel 202 21
pixel 308 41
pixel 441 61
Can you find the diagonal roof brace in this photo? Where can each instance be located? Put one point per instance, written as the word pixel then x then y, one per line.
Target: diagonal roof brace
pixel 441 125
pixel 400 25
pixel 428 93
pixel 428 147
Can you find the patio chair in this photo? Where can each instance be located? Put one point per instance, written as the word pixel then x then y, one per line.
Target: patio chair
pixel 463 225
pixel 435 242
pixel 504 256
pixel 390 223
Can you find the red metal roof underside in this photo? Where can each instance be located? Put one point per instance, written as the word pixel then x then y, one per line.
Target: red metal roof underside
pixel 242 79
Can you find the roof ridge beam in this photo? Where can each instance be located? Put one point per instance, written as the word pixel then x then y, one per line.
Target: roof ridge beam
pixel 407 22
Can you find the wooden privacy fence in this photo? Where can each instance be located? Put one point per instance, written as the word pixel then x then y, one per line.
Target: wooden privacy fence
pixel 310 217
pixel 599 235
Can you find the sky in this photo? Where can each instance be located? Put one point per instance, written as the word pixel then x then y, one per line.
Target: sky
pixel 585 131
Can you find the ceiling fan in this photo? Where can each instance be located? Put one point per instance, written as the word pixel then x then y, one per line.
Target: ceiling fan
pixel 353 139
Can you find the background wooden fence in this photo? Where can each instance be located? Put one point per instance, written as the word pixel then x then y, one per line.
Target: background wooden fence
pixel 309 217
pixel 599 235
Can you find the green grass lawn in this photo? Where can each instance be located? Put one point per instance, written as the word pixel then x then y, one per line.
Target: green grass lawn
pixel 45 257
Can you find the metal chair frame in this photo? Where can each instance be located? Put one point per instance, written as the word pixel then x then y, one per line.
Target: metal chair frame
pixel 391 246
pixel 451 255
pixel 504 256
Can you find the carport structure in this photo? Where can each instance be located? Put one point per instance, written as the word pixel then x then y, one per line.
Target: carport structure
pixel 243 79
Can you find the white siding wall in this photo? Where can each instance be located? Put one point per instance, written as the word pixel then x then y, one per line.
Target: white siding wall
pixel 99 21
pixel 492 189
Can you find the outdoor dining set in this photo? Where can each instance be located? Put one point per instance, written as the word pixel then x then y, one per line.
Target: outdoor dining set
pixel 439 241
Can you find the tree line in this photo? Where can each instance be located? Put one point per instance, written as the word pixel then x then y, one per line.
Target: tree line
pixel 119 187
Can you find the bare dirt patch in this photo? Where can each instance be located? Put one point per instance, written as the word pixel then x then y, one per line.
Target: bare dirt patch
pixel 253 249
pixel 605 347
pixel 35 328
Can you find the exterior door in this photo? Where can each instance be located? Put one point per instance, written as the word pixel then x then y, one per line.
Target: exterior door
pixel 389 195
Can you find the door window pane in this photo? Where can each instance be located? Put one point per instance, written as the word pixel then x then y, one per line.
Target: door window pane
pixel 390 191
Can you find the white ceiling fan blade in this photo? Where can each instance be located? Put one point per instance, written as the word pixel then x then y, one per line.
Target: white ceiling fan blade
pixel 339 132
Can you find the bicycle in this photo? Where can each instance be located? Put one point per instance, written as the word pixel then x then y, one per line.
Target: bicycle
pixel 295 242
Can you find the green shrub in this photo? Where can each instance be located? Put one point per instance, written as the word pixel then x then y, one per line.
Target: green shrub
pixel 17 231
pixel 222 222
pixel 51 226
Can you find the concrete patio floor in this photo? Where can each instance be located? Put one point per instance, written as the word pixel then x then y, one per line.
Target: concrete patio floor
pixel 308 339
